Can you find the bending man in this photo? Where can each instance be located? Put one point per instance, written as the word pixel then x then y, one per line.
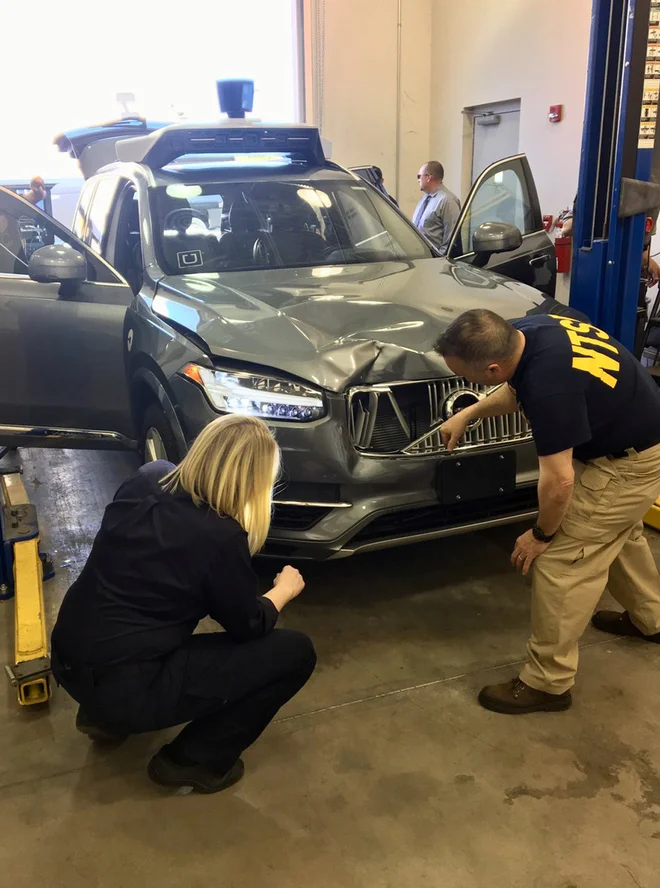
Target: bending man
pixel 595 418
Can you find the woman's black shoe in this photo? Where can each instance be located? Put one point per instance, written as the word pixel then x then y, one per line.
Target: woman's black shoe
pixel 619 623
pixel 97 732
pixel 166 772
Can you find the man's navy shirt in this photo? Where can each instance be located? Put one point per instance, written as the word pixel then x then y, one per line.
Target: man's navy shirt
pixel 580 388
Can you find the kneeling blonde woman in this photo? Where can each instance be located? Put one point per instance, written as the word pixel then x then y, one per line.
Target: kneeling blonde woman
pixel 174 547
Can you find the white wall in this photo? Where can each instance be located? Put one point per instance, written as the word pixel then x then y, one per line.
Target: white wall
pixel 454 55
pixel 356 50
pixel 485 51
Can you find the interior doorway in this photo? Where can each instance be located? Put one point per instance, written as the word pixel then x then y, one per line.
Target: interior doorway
pixel 495 133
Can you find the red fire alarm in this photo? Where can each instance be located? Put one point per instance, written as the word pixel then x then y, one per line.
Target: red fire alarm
pixel 555 114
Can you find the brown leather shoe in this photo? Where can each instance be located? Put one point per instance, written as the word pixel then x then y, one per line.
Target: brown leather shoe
pixel 619 623
pixel 516 698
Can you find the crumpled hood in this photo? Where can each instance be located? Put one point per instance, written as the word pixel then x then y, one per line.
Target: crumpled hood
pixel 338 326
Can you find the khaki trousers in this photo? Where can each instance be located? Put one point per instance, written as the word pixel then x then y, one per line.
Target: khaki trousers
pixel 600 543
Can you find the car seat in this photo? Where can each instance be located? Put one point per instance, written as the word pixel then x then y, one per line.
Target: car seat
pixel 236 248
pixel 291 236
pixel 186 250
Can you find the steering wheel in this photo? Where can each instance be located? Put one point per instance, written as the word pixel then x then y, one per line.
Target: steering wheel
pixel 176 218
pixel 262 252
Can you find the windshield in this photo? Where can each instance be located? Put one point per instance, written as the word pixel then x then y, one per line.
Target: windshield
pixel 236 226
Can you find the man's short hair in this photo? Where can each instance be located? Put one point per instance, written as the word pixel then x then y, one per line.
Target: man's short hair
pixel 435 168
pixel 478 337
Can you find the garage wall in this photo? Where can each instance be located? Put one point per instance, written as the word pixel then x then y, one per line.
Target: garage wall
pixel 490 52
pixel 453 56
pixel 351 84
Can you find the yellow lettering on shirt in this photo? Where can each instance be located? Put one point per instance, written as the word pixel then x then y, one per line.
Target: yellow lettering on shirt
pixel 597 364
pixel 585 341
pixel 580 326
pixel 578 340
pixel 570 324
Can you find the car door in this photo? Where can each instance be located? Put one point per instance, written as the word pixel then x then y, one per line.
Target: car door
pixel 62 354
pixel 505 192
pixel 374 176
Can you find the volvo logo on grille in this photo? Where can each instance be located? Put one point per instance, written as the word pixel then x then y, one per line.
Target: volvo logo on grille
pixel 459 400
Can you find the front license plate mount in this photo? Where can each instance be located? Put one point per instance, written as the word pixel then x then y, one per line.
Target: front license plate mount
pixel 462 479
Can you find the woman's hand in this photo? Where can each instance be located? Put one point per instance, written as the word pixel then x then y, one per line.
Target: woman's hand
pixel 290 579
pixel 288 584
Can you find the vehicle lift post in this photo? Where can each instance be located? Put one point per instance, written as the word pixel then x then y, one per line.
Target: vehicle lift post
pixel 619 174
pixel 618 162
pixel 22 571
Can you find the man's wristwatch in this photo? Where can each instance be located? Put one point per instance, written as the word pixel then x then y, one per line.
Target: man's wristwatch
pixel 540 536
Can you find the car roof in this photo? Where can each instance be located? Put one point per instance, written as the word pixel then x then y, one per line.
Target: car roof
pixel 199 175
pixel 155 146
pixel 162 147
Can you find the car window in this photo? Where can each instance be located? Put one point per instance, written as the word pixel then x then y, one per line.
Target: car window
pixel 23 230
pixel 278 224
pixel 128 240
pixel 99 213
pixel 82 210
pixel 373 231
pixel 501 197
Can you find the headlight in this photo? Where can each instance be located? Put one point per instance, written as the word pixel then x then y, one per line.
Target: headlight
pixel 262 396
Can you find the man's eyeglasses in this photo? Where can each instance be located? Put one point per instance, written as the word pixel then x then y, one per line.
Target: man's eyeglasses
pixel 422 175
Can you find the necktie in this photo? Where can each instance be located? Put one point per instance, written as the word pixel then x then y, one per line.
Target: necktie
pixel 422 210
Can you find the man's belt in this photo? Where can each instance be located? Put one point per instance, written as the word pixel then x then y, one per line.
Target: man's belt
pixel 624 454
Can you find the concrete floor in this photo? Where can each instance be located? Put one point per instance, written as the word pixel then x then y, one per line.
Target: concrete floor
pixel 383 773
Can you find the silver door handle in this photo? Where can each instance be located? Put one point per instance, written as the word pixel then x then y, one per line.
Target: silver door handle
pixel 538 261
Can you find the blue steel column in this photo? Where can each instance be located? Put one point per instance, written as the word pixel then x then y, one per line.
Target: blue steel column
pixel 608 250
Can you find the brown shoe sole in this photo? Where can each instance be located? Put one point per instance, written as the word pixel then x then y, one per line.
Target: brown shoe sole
pixel 559 705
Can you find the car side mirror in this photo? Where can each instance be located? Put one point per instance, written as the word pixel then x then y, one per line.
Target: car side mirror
pixel 58 263
pixel 495 237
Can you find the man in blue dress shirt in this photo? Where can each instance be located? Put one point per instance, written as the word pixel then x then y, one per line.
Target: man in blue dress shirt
pixel 438 210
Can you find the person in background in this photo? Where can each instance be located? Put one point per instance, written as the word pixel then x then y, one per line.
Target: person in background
pixel 174 547
pixel 437 212
pixel 650 268
pixel 37 193
pixel 594 413
pixel 380 185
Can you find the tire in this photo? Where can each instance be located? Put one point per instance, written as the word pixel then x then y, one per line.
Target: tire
pixel 157 439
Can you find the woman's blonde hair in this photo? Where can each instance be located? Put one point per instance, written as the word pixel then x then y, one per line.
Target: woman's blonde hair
pixel 232 467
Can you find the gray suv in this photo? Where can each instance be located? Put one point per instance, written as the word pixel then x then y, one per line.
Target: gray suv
pixel 233 268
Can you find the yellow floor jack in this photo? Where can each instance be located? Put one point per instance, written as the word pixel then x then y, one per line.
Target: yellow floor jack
pixel 22 572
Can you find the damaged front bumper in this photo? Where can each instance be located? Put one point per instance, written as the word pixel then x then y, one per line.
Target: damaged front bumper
pixel 334 501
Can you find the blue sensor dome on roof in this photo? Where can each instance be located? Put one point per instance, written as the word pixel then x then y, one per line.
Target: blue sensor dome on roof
pixel 236 97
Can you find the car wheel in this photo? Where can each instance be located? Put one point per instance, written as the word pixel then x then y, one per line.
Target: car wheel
pixel 157 439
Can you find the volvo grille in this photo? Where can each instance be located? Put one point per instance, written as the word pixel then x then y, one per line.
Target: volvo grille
pixel 403 419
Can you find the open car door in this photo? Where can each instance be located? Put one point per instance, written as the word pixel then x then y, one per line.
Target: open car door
pixel 505 192
pixel 94 146
pixel 62 337
pixel 374 176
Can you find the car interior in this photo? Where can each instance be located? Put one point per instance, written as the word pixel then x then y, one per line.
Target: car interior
pixel 268 225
